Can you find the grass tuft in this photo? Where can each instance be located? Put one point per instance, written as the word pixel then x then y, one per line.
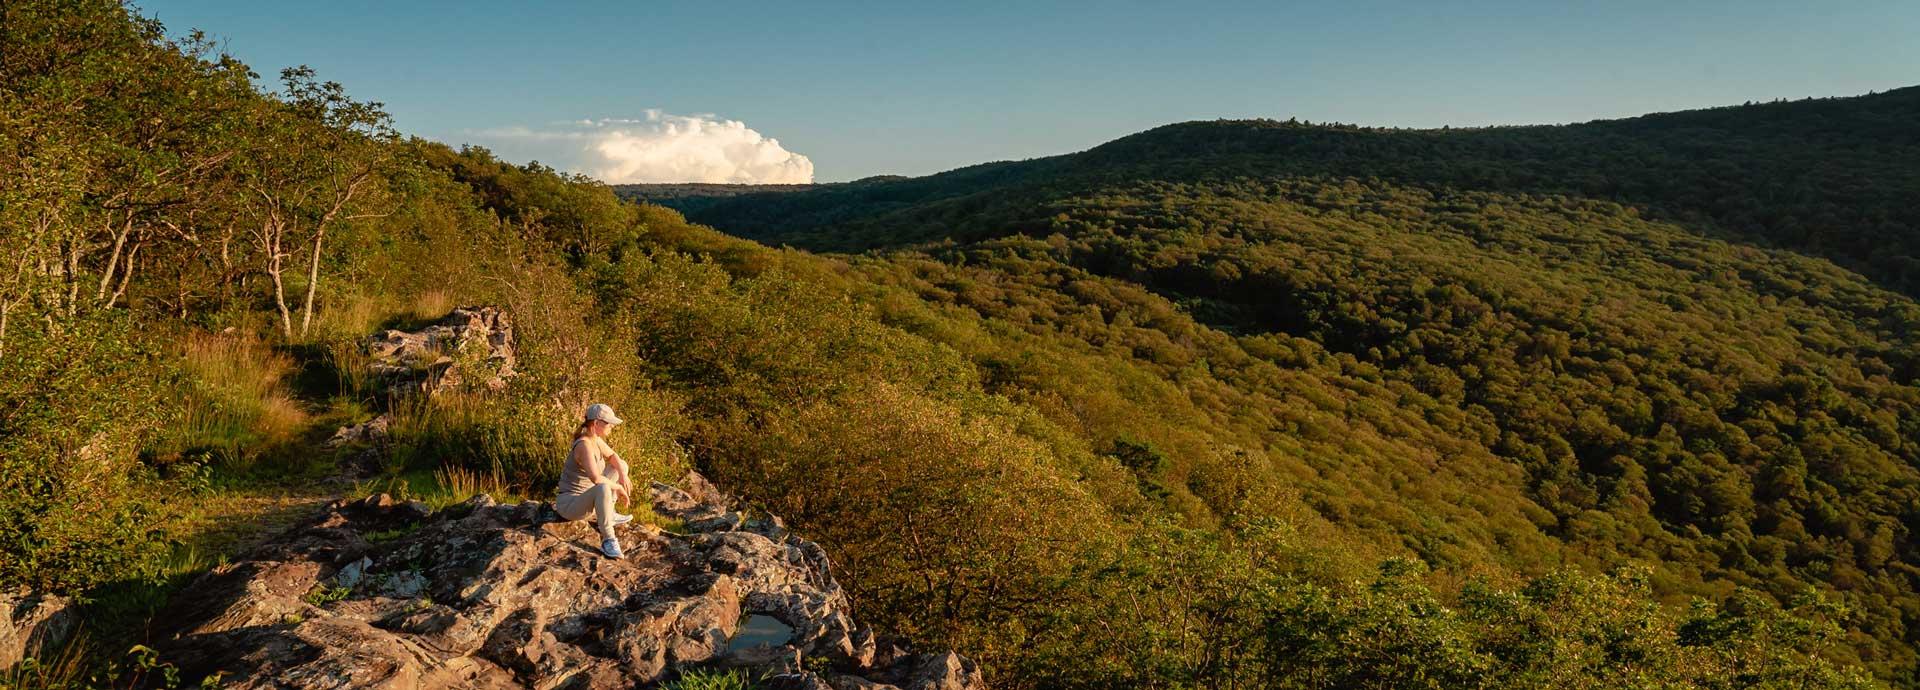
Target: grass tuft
pixel 708 679
pixel 64 667
pixel 350 316
pixel 235 402
pixel 460 483
pixel 494 437
pixel 349 361
pixel 432 304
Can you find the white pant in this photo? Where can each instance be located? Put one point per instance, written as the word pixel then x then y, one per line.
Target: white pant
pixel 597 501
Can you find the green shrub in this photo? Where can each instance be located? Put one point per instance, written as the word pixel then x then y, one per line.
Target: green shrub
pixel 932 514
pixel 75 404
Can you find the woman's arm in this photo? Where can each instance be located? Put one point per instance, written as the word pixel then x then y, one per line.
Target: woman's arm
pixel 621 471
pixel 583 458
pixel 622 487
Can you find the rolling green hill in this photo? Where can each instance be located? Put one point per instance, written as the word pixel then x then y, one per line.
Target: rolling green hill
pixel 1831 177
pixel 1678 339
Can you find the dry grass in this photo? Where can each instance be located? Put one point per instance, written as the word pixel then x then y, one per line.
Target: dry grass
pixel 479 431
pixel 460 483
pixel 237 403
pixel 350 363
pixel 350 316
pixel 432 304
pixel 353 316
pixel 63 667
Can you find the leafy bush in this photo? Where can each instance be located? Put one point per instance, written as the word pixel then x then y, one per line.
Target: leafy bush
pixel 1060 434
pixel 76 403
pixel 936 517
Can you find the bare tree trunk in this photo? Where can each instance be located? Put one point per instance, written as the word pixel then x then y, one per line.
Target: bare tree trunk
pixel 273 231
pixel 280 300
pixel 29 265
pixel 226 267
pixel 126 275
pixel 313 280
pixel 180 292
pixel 70 272
pixel 113 259
pixel 43 271
pixel 319 236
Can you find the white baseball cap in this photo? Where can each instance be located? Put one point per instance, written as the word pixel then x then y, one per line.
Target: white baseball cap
pixel 603 413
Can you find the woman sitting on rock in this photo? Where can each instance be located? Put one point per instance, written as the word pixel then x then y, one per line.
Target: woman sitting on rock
pixel 595 477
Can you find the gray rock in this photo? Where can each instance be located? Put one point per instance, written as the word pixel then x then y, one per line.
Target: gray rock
pixel 947 671
pixel 31 625
pixel 491 595
pixel 774 660
pixel 351 575
pixel 438 357
pixel 857 683
pixel 371 431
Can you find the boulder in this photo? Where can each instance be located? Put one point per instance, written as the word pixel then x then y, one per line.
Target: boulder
pixel 471 344
pixel 484 594
pixel 372 431
pixel 33 624
pixel 947 671
pixel 363 446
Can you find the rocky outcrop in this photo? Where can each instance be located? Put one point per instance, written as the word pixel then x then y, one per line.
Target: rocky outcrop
pixel 381 594
pixel 472 344
pixel 33 624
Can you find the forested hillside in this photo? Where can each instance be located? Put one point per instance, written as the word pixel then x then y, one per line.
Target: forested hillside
pixel 1831 177
pixel 1604 309
pixel 1162 423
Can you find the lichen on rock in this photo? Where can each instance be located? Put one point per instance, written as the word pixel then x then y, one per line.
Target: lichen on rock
pixel 492 595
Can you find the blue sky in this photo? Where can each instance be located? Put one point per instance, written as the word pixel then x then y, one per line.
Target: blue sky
pixel 865 88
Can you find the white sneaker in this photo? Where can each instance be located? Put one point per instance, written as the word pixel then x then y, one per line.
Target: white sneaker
pixel 619 519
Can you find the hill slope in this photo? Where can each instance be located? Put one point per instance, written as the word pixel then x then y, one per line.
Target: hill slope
pixel 1830 177
pixel 1592 308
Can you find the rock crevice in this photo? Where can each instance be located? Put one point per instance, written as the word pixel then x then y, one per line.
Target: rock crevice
pixel 384 594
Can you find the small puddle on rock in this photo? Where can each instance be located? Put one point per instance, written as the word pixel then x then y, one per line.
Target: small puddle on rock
pixel 757 630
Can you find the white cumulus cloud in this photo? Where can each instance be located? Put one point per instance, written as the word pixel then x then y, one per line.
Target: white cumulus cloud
pixel 660 147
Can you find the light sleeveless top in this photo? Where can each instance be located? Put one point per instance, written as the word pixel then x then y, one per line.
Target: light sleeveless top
pixel 573 481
